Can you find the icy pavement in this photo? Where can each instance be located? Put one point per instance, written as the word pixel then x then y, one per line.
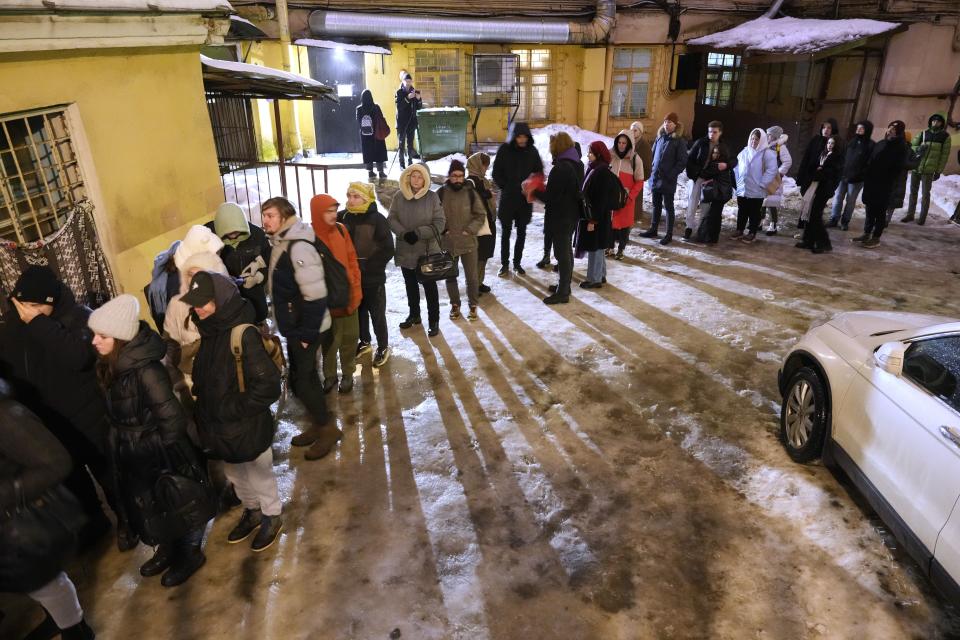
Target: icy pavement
pixel 606 469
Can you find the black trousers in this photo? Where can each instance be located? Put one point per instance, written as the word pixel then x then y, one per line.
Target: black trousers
pixel 547 242
pixel 876 221
pixel 563 250
pixel 413 296
pixel 815 234
pixel 506 226
pixel 406 132
pixel 623 236
pixel 373 307
pixel 305 379
pixel 749 214
pixel 710 224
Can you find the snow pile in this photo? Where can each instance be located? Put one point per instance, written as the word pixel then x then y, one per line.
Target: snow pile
pixel 946 193
pixel 792 35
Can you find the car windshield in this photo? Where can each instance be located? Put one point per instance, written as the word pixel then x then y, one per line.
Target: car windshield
pixel 934 364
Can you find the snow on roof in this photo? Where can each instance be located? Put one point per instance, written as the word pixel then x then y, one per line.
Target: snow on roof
pixel 119 6
pixel 254 70
pixel 331 44
pixel 792 35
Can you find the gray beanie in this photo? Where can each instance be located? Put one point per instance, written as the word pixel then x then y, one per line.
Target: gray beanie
pixel 774 132
pixel 119 318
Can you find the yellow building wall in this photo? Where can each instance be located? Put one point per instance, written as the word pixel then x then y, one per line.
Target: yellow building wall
pixel 144 138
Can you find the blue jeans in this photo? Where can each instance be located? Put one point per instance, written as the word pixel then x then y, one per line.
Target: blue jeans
pixel 596 266
pixel 851 190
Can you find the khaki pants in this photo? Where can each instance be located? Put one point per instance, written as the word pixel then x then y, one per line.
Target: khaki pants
pixel 470 269
pixel 342 338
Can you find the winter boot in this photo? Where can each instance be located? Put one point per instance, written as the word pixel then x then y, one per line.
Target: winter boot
pixel 687 233
pixel 907 218
pixel 328 439
pixel 162 557
pixel 504 270
pixel 187 560
pixel 545 263
pixel 79 631
pixel 556 298
pixel 46 630
pixel 346 385
pixel 473 313
pixel 871 243
pixel 484 288
pixel 410 321
pixel 329 384
pixel 649 233
pixel 371 176
pixel 736 234
pixel 667 239
pixel 268 534
pixel 434 330
pixel 862 238
pixel 126 538
pixel 307 437
pixel 520 270
pixel 248 523
pixel 454 311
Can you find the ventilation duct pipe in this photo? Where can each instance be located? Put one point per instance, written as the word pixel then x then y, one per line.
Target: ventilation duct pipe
pixel 339 24
pixel 773 10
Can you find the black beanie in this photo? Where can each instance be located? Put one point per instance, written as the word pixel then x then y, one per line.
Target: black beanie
pixel 37 284
pixel 456 165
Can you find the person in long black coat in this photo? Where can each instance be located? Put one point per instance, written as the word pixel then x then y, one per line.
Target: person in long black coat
pixel 46 357
pixel 32 462
pixel 889 160
pixel 148 433
pixel 408 102
pixel 374 151
pixel 516 160
pixel 595 231
pixel 811 157
pixel 825 176
pixel 561 198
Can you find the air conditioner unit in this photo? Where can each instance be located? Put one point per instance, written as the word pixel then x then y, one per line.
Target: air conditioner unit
pixel 496 80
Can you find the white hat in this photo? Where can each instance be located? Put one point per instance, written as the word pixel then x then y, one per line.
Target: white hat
pixel 119 318
pixel 198 240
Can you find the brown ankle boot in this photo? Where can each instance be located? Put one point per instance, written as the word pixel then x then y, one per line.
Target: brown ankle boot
pixel 307 437
pixel 327 439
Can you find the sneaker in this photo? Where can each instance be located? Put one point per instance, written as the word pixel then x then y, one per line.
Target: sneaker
pixel 748 238
pixel 862 238
pixel 327 439
pixel 363 347
pixel 608 253
pixel 520 270
pixel 454 311
pixel 619 256
pixel 871 243
pixel 736 234
pixel 473 314
pixel 410 321
pixel 346 385
pixel 586 284
pixel 434 330
pixel 483 288
pixel 556 298
pixel 249 521
pixel 665 240
pixel 687 233
pixel 381 356
pixel 329 384
pixel 268 534
pixel 649 233
pixel 504 270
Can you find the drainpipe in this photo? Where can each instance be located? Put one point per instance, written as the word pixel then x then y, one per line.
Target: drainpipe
pixel 289 107
pixel 340 24
pixel 773 10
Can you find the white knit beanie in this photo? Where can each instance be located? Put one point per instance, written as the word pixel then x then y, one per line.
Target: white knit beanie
pixel 119 318
pixel 204 261
pixel 197 240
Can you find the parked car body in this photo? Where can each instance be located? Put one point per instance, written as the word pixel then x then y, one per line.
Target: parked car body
pixel 878 394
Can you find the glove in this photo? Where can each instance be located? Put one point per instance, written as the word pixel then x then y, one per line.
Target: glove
pixel 252 275
pixel 411 237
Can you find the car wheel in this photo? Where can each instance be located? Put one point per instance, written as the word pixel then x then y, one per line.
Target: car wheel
pixel 803 416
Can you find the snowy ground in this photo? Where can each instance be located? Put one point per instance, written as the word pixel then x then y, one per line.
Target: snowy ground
pixel 606 469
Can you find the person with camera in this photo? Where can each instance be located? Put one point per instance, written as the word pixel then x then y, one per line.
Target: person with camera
pixel 408 103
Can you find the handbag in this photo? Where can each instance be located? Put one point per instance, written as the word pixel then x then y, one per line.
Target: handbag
pixel 380 127
pixel 180 502
pixel 713 191
pixel 775 184
pixel 432 267
pixel 37 538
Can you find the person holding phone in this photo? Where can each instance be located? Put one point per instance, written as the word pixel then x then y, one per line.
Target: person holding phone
pixel 408 103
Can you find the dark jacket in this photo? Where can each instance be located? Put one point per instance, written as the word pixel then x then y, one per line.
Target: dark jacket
pixel 827 177
pixel 699 156
pixel 238 258
pixel 148 425
pixel 367 114
pixel 234 427
pixel 725 180
pixel 407 110
pixel 373 242
pixel 49 363
pixel 486 245
pixel 888 162
pixel 297 283
pixel 857 155
pixel 898 190
pixel 811 157
pixel 598 190
pixel 511 166
pixel 669 160
pixel 561 198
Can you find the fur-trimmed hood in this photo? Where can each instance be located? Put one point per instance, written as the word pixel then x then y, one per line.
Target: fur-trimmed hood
pixel 405 187
pixel 677 133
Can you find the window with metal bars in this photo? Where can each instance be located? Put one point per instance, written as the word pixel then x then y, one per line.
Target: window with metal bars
pixel 437 76
pixel 536 69
pixel 631 82
pixel 720 80
pixel 40 179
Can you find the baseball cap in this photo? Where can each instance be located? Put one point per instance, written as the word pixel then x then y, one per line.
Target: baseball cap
pixel 201 290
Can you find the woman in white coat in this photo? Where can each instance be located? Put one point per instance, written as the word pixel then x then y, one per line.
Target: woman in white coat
pixel 772 203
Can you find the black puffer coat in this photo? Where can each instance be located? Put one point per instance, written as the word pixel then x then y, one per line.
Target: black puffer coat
pixel 858 153
pixel 811 157
pixel 234 427
pixel 236 259
pixel 148 425
pixel 49 363
pixel 511 167
pixel 888 162
pixel 373 241
pixel 597 189
pixel 561 198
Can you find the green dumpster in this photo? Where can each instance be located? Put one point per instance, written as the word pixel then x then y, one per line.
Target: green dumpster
pixel 442 131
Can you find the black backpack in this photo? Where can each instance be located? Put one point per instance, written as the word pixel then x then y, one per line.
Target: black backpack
pixel 619 195
pixel 334 274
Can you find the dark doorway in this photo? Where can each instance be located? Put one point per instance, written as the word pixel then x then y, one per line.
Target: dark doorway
pixel 336 123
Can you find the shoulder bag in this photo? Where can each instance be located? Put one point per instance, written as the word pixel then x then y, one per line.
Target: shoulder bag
pixel 432 267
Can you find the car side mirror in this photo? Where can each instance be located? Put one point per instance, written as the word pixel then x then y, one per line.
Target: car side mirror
pixel 889 357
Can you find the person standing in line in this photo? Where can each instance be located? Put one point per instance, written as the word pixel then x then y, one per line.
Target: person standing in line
pixel 148 437
pixel 810 163
pixel 887 162
pixel 234 395
pixel 374 150
pixel 344 333
pixel 756 168
pixel 699 157
pixel 477 166
pixel 416 218
pixel 408 103
pixel 464 215
pixel 594 234
pixel 642 148
pixel 562 210
pixel 46 357
pixel 856 157
pixel 32 462
pixel 771 204
pixel 629 170
pixel 899 191
pixel 298 288
pixel 823 183
pixel 932 147
pixel 716 195
pixel 669 159
pixel 245 253
pixel 516 159
pixel 373 242
pixel 164 284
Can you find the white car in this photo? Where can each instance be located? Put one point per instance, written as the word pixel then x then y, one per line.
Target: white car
pixel 878 394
